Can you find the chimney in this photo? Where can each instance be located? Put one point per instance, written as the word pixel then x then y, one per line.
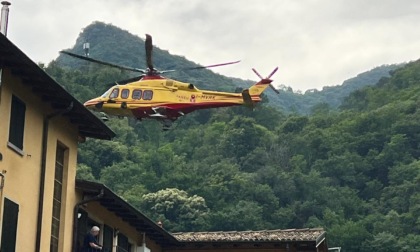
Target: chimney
pixel 4 17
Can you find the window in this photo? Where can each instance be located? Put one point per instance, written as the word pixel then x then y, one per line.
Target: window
pixel 9 228
pixel 123 243
pixel 114 94
pixel 147 94
pixel 125 93
pixel 58 189
pixel 136 94
pixel 108 238
pixel 17 122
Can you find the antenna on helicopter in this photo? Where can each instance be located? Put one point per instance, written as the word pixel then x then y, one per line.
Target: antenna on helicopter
pixel 86 47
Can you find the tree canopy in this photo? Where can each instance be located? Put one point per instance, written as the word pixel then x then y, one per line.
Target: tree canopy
pixel 354 171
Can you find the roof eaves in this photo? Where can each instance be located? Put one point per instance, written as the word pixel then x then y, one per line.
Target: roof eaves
pixel 94 187
pixel 49 90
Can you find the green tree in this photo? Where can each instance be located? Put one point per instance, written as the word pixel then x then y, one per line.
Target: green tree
pixel 180 211
pixel 384 241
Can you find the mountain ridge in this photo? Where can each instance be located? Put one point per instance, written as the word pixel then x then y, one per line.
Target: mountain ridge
pixel 113 44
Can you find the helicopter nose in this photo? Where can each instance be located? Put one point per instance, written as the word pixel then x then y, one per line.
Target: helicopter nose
pixel 94 103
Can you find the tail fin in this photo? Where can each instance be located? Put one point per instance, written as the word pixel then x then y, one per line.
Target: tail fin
pixel 259 87
pixel 252 94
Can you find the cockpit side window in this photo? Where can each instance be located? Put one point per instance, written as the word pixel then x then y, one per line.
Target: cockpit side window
pixel 114 94
pixel 136 94
pixel 125 93
pixel 147 94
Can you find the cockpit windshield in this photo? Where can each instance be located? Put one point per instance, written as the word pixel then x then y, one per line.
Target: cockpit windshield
pixel 114 94
pixel 106 94
pixel 111 93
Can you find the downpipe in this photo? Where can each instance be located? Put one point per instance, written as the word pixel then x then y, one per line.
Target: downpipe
pixel 43 170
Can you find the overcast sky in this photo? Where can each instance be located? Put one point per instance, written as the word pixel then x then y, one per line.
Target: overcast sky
pixel 314 43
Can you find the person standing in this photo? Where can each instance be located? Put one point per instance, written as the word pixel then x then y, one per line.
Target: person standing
pixel 90 243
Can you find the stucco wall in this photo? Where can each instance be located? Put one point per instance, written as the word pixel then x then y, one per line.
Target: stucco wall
pixel 22 178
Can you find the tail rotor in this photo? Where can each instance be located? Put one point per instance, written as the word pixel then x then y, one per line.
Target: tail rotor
pixel 267 79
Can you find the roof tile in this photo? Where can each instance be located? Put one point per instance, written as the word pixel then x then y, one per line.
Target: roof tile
pixel 251 236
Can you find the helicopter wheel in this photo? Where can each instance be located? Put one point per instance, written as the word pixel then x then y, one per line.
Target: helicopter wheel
pixel 124 105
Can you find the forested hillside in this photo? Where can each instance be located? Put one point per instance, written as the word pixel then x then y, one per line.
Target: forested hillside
pixel 332 96
pixel 354 172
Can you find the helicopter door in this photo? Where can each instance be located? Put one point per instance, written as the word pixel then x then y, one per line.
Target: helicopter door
pixel 125 93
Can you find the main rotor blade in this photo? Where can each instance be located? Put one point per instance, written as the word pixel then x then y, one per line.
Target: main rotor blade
pixel 199 67
pixel 103 62
pixel 122 82
pixel 209 66
pixel 149 47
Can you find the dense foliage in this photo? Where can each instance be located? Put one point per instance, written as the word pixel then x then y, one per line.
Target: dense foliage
pixel 354 172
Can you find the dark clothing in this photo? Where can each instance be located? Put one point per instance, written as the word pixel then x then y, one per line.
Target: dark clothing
pixel 88 239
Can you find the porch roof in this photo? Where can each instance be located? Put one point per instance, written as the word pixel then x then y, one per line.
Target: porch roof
pixel 127 212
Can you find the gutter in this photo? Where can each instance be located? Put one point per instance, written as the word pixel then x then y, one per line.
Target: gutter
pixel 75 216
pixel 43 170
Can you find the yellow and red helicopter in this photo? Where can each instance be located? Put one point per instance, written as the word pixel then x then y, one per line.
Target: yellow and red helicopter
pixel 153 96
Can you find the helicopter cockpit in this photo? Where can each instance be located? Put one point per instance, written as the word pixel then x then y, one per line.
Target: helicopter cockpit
pixel 111 93
pixel 106 94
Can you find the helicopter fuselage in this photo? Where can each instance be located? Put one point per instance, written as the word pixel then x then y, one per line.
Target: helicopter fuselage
pixel 154 96
pixel 160 98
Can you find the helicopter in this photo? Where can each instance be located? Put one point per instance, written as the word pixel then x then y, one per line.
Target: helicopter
pixel 152 96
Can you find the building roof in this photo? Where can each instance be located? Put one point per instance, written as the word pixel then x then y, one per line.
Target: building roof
pixel 127 212
pixel 299 239
pixel 50 91
pixel 312 234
